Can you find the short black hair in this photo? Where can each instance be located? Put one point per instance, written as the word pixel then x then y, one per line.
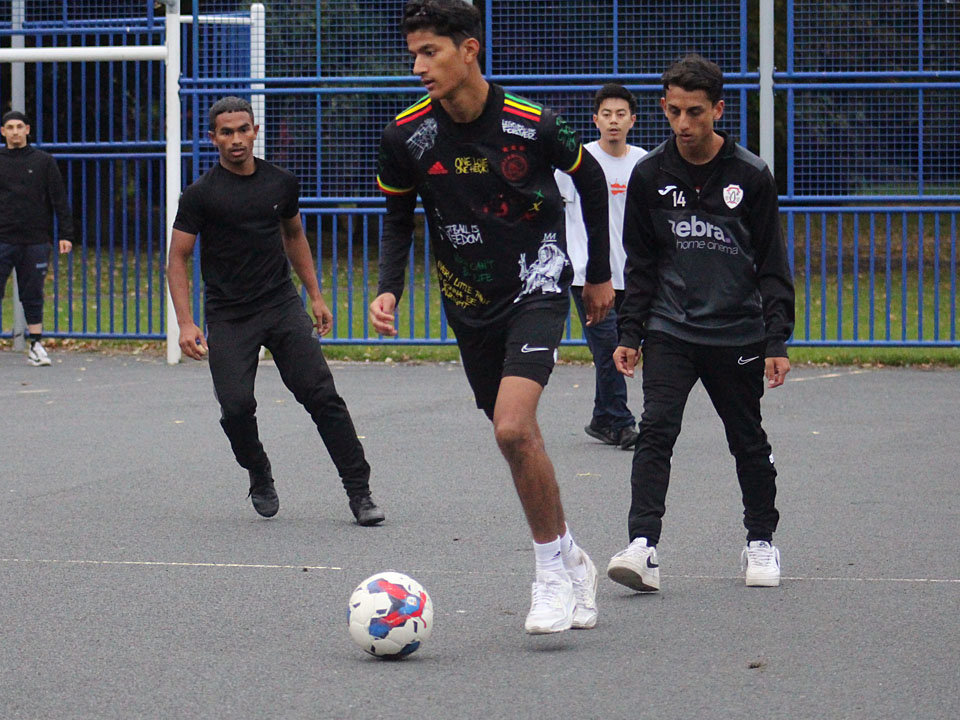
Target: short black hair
pixel 455 19
pixel 231 103
pixel 694 72
pixel 14 115
pixel 614 90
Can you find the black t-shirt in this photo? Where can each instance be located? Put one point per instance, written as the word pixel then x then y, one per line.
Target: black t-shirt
pixel 242 259
pixel 699 174
pixel 494 211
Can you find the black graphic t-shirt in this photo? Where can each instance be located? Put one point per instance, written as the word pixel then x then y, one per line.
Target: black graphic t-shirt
pixel 237 217
pixel 494 212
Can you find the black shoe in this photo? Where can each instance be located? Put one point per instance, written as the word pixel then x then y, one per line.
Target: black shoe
pixel 606 435
pixel 365 510
pixel 263 494
pixel 628 438
pixel 624 438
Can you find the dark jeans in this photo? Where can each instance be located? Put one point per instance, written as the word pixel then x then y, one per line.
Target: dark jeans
pixel 610 396
pixel 287 331
pixel 31 263
pixel 733 378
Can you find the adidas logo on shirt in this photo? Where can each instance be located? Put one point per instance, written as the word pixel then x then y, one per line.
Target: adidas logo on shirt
pixel 437 169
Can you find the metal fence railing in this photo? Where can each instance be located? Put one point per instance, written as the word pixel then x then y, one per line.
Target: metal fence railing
pixel 867 153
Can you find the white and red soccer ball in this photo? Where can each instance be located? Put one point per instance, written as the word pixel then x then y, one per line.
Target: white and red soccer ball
pixel 390 615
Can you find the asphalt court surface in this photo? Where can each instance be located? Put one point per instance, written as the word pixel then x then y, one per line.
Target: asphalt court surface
pixel 136 580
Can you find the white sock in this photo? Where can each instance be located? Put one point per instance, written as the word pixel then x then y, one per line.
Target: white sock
pixel 548 556
pixel 570 552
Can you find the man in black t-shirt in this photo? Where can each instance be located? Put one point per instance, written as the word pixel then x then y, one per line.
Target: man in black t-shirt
pixel 247 214
pixel 482 161
pixel 31 192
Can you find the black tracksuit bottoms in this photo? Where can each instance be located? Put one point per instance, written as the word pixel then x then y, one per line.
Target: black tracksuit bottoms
pixel 733 378
pixel 287 331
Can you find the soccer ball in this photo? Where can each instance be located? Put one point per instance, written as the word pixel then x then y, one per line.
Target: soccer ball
pixel 389 615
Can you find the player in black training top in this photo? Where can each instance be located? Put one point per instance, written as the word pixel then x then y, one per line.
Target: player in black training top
pixel 482 161
pixel 247 214
pixel 709 295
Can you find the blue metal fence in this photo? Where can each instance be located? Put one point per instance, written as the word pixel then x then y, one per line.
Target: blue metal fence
pixel 869 156
pixel 872 90
pixel 104 123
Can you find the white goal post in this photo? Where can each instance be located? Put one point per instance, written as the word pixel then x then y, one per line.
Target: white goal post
pixel 170 54
pixel 17 54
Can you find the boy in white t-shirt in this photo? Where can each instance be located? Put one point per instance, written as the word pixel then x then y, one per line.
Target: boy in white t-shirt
pixel 615 110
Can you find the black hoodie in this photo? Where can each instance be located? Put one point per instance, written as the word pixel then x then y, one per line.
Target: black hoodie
pixel 31 190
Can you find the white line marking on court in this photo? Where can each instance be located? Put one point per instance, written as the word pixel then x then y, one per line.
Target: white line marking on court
pixel 828 375
pixel 825 579
pixel 162 563
pixel 32 392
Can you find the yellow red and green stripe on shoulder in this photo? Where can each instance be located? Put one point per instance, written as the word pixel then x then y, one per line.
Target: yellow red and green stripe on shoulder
pixel 420 108
pixel 520 107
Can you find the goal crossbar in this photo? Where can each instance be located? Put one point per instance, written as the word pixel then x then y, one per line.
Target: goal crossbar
pixel 81 54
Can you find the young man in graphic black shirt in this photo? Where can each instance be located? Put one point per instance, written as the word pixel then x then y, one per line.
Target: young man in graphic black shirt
pixel 247 214
pixel 31 191
pixel 709 295
pixel 482 161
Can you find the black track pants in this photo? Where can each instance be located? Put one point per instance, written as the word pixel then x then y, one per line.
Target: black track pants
pixel 285 330
pixel 733 378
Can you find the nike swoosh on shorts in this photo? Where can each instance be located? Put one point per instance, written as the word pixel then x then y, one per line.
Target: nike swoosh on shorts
pixel 527 349
pixel 741 361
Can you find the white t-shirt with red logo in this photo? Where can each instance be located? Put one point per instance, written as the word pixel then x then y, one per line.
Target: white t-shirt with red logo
pixel 617 171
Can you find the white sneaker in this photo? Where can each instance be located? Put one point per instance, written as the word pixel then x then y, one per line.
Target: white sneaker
pixel 636 567
pixel 36 355
pixel 761 560
pixel 585 592
pixel 553 604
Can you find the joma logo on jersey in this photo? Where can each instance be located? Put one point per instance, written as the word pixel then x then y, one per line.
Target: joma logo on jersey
pixel 696 228
pixel 472 165
pixel 677 195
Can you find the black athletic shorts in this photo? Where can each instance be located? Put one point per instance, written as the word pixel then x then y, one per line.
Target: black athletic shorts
pixel 524 345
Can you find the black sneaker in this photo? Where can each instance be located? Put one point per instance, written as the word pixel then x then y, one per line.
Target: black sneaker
pixel 624 438
pixel 263 494
pixel 365 510
pixel 606 435
pixel 628 438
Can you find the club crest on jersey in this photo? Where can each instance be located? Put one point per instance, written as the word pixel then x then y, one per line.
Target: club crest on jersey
pixel 514 164
pixel 732 195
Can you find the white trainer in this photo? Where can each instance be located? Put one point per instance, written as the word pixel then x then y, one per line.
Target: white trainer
pixel 636 567
pixel 37 356
pixel 761 560
pixel 585 592
pixel 552 605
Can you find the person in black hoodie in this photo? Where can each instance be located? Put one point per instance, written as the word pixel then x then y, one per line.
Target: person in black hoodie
pixel 709 296
pixel 31 191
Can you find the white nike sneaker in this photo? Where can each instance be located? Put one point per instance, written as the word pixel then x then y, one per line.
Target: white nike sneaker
pixel 552 604
pixel 761 560
pixel 37 356
pixel 585 592
pixel 636 567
